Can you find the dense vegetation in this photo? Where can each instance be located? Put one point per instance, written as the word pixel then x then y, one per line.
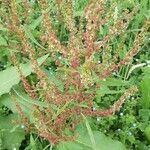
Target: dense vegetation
pixel 74 75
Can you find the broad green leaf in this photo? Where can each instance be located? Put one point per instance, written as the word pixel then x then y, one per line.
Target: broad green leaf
pixel 6 100
pixel 10 76
pixel 145 90
pixel 2 41
pixel 147 133
pixel 11 133
pixel 105 90
pixel 33 143
pixel 146 72
pixel 31 37
pixel 110 81
pixel 3 28
pixel 25 102
pixel 83 142
pixel 35 23
pixel 115 82
pixel 90 133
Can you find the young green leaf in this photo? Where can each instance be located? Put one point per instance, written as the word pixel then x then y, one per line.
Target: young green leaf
pixel 10 76
pixel 11 134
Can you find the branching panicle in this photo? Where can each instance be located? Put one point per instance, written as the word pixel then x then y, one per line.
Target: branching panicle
pixel 68 90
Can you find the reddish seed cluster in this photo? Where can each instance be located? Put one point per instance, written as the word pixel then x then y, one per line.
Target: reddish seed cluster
pixel 65 107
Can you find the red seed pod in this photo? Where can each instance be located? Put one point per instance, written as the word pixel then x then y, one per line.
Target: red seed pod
pixel 75 62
